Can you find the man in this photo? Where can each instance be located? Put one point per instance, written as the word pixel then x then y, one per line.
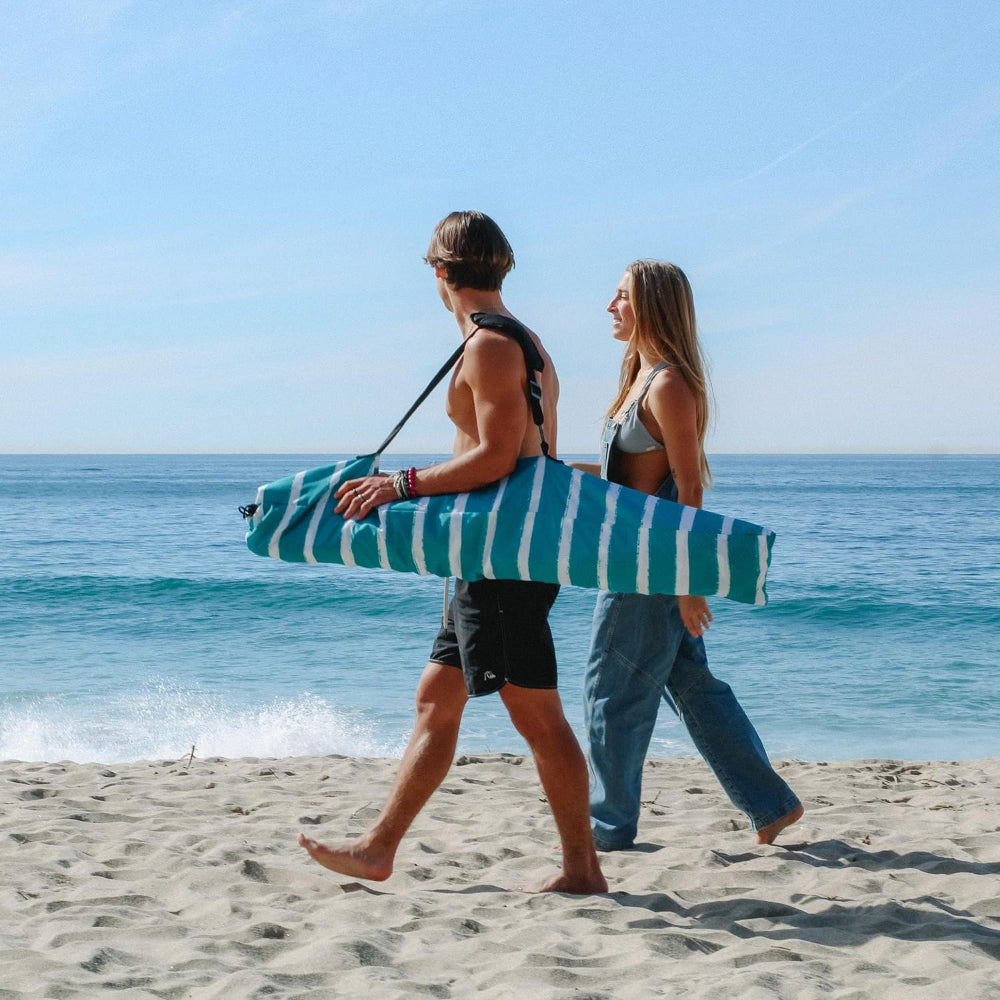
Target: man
pixel 497 637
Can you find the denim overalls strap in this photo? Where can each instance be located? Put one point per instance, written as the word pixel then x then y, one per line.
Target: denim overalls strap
pixel 629 435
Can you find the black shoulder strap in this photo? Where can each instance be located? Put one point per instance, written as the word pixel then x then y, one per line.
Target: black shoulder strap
pixel 442 371
pixel 516 331
pixel 533 362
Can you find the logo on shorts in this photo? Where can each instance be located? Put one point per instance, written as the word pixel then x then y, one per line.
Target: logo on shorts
pixel 489 676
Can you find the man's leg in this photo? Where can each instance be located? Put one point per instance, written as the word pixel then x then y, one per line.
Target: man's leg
pixel 538 717
pixel 441 699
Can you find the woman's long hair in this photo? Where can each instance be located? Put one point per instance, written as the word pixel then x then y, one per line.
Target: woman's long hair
pixel 665 331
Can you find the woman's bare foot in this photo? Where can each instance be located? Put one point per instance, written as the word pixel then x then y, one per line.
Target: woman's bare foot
pixel 767 834
pixel 348 859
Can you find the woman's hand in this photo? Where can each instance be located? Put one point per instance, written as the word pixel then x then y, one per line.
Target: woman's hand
pixel 694 614
pixel 359 497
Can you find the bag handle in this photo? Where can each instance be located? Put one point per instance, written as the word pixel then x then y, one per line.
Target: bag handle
pixel 532 362
pixel 442 371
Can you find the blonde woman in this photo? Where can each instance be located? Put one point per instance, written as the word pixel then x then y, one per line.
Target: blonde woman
pixel 647 647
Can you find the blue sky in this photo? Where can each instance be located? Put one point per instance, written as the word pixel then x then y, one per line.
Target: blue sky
pixel 213 214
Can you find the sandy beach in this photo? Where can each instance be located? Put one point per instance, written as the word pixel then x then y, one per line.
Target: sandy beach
pixel 178 879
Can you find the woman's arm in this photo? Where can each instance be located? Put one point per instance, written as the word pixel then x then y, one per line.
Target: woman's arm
pixel 672 406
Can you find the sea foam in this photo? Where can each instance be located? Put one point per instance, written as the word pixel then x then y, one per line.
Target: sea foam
pixel 164 721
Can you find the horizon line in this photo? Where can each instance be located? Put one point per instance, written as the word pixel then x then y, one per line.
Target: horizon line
pixel 827 453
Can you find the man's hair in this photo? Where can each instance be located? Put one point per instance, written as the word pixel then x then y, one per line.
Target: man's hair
pixel 472 250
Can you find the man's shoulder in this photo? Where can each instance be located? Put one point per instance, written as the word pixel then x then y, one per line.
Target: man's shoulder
pixel 492 347
pixel 514 331
pixel 497 321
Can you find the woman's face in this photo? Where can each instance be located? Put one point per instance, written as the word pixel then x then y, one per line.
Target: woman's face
pixel 622 313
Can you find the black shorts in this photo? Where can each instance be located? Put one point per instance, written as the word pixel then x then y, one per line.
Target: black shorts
pixel 498 631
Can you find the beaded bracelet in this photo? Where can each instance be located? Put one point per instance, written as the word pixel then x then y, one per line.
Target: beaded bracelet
pixel 411 482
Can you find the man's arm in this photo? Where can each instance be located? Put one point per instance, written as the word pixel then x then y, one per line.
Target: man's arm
pixel 490 433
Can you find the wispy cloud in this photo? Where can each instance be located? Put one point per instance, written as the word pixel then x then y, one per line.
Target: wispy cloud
pixel 797 225
pixel 49 54
pixel 173 266
pixel 939 142
pixel 53 54
pixel 944 139
pixel 853 115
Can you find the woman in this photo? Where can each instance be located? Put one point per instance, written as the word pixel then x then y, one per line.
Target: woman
pixel 645 647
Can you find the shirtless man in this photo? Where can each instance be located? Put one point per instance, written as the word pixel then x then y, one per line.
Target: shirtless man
pixel 497 637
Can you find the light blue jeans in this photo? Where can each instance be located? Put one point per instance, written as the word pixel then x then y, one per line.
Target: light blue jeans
pixel 641 652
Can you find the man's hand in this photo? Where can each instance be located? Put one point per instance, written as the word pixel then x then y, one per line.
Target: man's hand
pixel 359 497
pixel 694 614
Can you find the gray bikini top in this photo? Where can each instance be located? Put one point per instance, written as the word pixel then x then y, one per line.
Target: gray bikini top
pixel 630 436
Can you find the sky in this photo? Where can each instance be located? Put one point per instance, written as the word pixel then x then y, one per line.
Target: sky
pixel 213 215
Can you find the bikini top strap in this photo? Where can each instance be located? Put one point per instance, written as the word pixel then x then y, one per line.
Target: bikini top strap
pixel 649 379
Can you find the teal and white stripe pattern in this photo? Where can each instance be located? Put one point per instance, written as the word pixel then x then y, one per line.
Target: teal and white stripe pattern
pixel 545 522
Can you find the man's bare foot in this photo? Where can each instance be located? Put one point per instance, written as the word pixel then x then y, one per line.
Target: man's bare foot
pixel 767 834
pixel 348 859
pixel 591 885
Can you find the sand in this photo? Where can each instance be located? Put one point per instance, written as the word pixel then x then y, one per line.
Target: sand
pixel 179 879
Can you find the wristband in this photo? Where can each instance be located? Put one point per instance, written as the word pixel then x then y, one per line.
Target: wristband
pixel 400 486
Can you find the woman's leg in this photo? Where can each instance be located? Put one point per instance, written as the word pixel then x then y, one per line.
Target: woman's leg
pixel 629 661
pixel 724 735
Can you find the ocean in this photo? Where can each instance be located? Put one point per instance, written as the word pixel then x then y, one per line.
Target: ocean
pixel 135 624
